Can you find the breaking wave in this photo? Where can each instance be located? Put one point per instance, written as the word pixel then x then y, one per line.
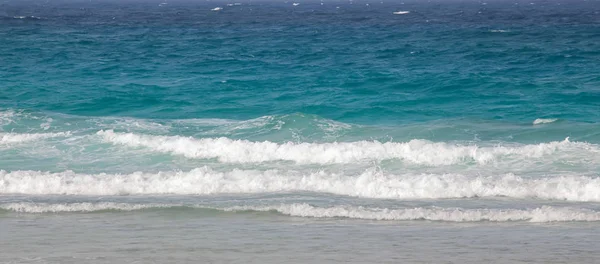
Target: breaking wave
pixel 368 184
pixel 540 121
pixel 415 151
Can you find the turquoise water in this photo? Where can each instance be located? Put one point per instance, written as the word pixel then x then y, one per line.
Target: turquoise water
pixel 325 112
pixel 501 62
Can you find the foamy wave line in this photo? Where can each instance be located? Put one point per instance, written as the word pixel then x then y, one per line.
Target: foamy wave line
pixel 369 184
pixel 414 151
pixel 544 121
pixel 26 207
pixel 542 214
pixel 19 138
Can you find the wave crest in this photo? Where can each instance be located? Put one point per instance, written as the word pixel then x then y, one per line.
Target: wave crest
pixel 415 151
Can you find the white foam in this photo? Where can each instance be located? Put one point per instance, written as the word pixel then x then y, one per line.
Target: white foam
pixel 217 9
pixel 46 125
pixel 26 137
pixel 401 12
pixel 541 214
pixel 414 151
pixel 27 207
pixel 499 30
pixel 6 117
pixel 369 184
pixel 544 121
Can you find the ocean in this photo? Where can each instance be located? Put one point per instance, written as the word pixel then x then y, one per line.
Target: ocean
pixel 359 131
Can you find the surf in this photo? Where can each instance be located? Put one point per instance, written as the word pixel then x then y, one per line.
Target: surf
pixel 543 214
pixel 414 151
pixel 370 183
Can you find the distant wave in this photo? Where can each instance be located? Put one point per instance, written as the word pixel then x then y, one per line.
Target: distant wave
pixel 27 17
pixel 414 151
pixel 541 214
pixel 271 123
pixel 302 125
pixel 544 121
pixel 368 184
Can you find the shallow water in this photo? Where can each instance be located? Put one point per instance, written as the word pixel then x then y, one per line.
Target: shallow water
pixel 190 236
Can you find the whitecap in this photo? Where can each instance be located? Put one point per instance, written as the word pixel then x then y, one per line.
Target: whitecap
pixel 544 121
pixel 26 17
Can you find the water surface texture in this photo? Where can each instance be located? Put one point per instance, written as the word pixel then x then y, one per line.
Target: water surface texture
pixel 309 131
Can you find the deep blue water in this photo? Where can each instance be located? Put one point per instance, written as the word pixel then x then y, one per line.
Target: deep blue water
pixel 504 60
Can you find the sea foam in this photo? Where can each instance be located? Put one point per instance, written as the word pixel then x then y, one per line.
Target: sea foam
pixel 28 207
pixel 540 214
pixel 369 184
pixel 26 137
pixel 7 117
pixel 415 151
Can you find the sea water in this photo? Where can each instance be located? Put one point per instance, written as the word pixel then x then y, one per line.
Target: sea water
pixel 301 132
